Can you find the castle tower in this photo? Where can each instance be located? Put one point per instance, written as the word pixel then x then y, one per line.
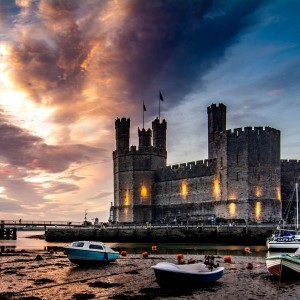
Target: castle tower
pixel 159 134
pixel 145 137
pixel 134 172
pixel 122 127
pixel 216 124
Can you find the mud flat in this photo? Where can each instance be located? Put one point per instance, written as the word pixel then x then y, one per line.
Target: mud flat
pixel 45 275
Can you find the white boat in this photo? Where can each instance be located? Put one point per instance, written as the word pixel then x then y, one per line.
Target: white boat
pixel 284 265
pixel 169 275
pixel 87 253
pixel 284 238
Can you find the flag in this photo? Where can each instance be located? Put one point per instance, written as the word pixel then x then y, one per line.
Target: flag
pixel 144 107
pixel 161 97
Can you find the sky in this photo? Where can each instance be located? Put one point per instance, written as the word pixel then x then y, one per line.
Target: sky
pixel 69 68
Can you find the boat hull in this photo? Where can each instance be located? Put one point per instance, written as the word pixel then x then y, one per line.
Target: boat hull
pixel 284 265
pixel 90 257
pixel 172 279
pixel 275 245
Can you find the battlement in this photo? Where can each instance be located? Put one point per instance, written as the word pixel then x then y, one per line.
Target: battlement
pixel 249 130
pixel 140 151
pixel 214 107
pixel 156 122
pixel 123 121
pixel 199 168
pixel 290 162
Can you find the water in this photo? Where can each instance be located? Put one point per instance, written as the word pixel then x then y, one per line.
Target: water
pixel 23 242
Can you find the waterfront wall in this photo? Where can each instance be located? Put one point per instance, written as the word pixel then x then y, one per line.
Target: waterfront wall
pixel 248 235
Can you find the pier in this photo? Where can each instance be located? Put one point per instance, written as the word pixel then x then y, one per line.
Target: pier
pixel 239 234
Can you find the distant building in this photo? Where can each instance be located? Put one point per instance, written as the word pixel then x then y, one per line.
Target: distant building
pixel 242 180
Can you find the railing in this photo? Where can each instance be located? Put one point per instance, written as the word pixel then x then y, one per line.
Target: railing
pixel 39 223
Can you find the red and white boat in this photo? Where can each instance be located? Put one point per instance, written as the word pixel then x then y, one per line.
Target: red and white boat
pixel 284 265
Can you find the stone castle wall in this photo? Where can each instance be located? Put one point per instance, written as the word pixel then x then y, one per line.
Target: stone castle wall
pixel 241 180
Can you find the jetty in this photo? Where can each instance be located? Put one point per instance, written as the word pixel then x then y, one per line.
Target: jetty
pixel 237 234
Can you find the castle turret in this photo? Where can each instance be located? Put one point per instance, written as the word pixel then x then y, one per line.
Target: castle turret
pixel 122 133
pixel 216 124
pixel 159 134
pixel 145 137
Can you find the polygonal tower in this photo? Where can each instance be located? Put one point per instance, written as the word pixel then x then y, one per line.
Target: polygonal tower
pixel 134 172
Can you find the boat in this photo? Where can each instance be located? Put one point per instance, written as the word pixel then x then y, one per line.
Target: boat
pixel 169 275
pixel 284 265
pixel 89 252
pixel 285 238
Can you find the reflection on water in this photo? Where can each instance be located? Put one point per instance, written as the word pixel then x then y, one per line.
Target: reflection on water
pixel 23 242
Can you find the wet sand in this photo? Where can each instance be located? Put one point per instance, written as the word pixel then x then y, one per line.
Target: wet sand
pixel 130 277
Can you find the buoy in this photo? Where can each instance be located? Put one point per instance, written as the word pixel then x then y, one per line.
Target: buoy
pixel 227 259
pixel 191 260
pixel 249 266
pixel 38 257
pixel 181 261
pixel 145 254
pixel 179 256
pixel 123 253
pixel 154 248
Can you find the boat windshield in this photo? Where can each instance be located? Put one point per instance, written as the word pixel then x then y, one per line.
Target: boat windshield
pixel 97 247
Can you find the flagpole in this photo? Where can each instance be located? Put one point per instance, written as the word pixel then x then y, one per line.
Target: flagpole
pixel 143 113
pixel 159 107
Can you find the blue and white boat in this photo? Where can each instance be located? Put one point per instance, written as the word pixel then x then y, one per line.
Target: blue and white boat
pixel 169 275
pixel 88 253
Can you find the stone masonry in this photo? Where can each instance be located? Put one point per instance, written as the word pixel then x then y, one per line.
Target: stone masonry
pixel 243 179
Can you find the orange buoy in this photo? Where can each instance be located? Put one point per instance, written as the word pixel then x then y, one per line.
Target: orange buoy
pixel 179 256
pixel 227 259
pixel 247 250
pixel 154 248
pixel 145 254
pixel 181 261
pixel 123 253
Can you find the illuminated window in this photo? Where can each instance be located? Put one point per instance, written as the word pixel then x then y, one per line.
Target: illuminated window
pixel 258 191
pixel 184 190
pixel 216 188
pixel 144 192
pixel 257 211
pixel 232 210
pixel 126 198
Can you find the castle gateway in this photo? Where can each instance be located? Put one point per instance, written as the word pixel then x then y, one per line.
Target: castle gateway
pixel 242 180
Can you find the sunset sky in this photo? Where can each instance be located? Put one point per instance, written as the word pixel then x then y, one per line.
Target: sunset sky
pixel 69 68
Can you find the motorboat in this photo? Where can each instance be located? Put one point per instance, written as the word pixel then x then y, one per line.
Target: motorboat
pixel 89 252
pixel 284 265
pixel 169 275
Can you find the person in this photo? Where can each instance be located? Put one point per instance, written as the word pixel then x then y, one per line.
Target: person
pixel 20 221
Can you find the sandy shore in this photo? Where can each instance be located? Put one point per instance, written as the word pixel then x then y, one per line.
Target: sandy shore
pixel 130 277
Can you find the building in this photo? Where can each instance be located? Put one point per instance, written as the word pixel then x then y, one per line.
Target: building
pixel 243 179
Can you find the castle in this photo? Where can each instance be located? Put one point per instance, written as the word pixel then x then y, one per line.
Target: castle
pixel 243 179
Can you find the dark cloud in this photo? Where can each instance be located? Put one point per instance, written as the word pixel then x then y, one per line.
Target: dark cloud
pixel 63 47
